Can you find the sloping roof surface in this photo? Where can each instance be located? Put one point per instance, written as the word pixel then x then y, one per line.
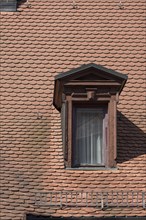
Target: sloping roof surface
pixel 39 42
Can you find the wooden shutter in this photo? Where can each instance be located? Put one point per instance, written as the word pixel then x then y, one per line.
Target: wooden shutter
pixel 105 139
pixel 64 122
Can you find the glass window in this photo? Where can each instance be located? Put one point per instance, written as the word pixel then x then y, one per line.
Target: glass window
pixel 88 135
pixel 8 5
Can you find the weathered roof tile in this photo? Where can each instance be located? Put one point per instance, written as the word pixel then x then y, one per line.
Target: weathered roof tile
pixel 38 43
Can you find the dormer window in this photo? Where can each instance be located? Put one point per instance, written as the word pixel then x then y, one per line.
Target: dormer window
pixel 87 99
pixel 89 123
pixel 8 5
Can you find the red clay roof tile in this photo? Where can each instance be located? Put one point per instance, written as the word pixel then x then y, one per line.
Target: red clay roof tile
pixel 39 42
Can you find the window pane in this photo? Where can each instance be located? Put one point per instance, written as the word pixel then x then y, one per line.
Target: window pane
pixel 88 136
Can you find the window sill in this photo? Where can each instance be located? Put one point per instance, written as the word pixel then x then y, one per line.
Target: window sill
pixel 92 168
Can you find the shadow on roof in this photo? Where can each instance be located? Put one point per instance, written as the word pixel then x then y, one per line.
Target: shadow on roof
pixel 131 139
pixel 21 2
pixel 40 217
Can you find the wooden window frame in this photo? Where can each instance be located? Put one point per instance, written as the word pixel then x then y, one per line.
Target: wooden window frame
pixel 82 99
pixel 86 105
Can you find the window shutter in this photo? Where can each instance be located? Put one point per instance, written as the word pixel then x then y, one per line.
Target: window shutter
pixel 64 129
pixel 105 138
pixel 115 132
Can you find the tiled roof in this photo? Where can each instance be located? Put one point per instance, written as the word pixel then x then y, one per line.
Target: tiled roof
pixel 39 42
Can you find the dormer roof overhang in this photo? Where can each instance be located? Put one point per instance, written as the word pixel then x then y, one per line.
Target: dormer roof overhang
pixel 89 76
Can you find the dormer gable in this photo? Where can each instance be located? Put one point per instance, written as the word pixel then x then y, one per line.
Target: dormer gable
pixel 87 77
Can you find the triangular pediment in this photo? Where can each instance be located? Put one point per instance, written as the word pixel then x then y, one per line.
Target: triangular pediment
pixel 89 76
pixel 91 72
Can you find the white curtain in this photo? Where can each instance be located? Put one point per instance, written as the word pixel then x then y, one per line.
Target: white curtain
pixel 88 138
